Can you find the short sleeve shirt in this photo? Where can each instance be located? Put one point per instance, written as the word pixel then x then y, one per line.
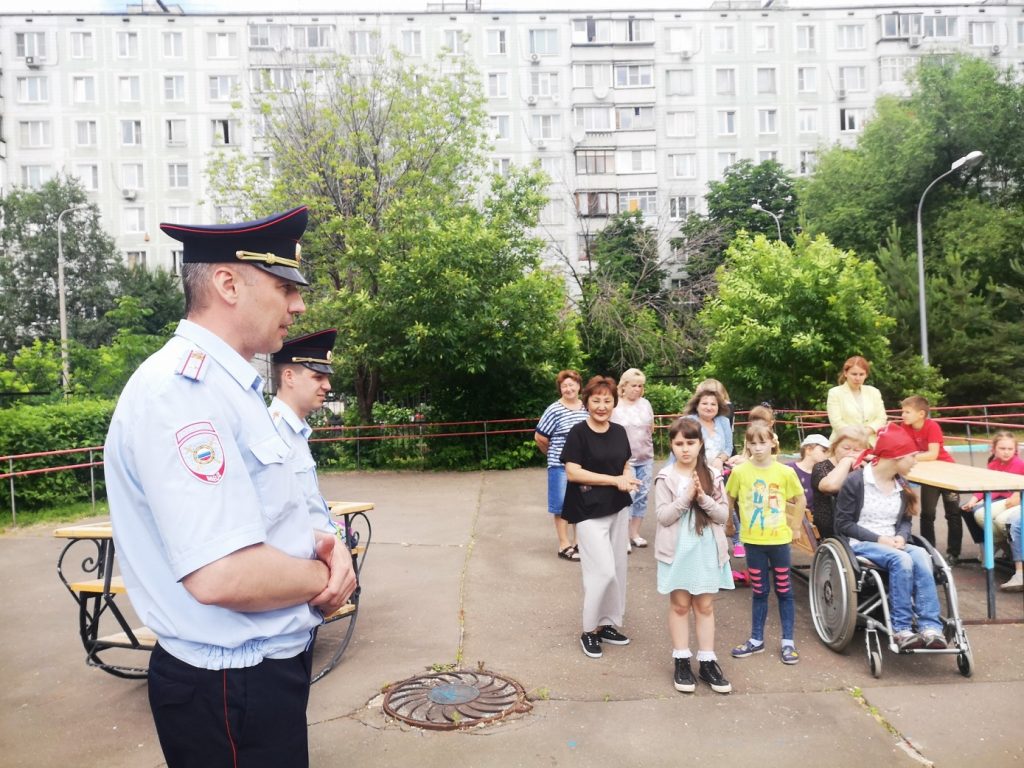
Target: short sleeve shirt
pixel 555 424
pixel 196 470
pixel 605 453
pixel 930 432
pixel 638 420
pixel 296 432
pixel 762 493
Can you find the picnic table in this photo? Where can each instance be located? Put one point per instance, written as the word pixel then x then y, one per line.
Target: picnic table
pixel 95 588
pixel 964 478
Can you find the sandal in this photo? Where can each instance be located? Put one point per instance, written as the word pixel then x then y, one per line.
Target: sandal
pixel 569 553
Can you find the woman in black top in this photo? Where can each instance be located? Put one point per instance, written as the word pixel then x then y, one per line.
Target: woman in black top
pixel 596 457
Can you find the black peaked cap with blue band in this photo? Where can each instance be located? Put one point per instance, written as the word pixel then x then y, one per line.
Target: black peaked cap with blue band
pixel 272 244
pixel 314 350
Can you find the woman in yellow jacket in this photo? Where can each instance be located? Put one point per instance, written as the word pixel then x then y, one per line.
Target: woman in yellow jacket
pixel 854 403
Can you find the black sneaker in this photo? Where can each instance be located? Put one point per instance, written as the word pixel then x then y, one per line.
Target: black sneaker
pixel 612 636
pixel 591 644
pixel 711 674
pixel 683 677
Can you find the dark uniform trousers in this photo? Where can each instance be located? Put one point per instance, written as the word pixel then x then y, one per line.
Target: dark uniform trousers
pixel 253 717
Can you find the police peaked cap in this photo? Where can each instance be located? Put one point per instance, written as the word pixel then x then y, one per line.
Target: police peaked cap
pixel 312 350
pixel 272 244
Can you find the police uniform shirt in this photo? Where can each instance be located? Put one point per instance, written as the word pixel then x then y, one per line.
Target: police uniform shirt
pixel 296 432
pixel 196 470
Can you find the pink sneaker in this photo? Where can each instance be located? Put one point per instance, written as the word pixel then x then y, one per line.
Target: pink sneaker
pixel 739 550
pixel 739 577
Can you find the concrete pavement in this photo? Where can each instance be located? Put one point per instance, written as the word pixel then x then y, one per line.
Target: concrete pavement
pixel 463 570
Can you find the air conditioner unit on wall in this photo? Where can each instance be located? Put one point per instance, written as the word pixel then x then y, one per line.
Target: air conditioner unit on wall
pixel 32 62
pixel 129 194
pixel 531 100
pixel 914 41
pixel 685 55
pixel 996 50
pixel 535 58
pixel 841 94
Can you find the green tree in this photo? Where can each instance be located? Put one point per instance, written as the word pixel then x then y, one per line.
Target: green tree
pixel 767 184
pixel 28 271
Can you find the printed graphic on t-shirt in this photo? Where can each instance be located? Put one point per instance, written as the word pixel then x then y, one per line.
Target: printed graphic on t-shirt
pixel 766 506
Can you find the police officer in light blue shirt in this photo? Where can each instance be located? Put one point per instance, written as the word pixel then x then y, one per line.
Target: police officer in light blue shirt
pixel 216 548
pixel 301 372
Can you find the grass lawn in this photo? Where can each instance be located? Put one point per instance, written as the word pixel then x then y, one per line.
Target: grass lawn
pixel 55 515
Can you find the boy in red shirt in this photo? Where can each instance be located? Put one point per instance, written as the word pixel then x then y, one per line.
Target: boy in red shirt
pixel 927 434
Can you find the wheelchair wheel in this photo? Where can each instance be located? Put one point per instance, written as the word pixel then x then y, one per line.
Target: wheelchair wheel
pixel 875 663
pixel 965 659
pixel 833 595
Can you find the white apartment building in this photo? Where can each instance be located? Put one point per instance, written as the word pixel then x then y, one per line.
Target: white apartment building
pixel 630 109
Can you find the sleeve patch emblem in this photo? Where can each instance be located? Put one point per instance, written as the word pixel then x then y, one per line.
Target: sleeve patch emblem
pixel 201 452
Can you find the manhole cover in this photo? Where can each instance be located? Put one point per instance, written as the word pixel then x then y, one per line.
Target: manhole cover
pixel 449 700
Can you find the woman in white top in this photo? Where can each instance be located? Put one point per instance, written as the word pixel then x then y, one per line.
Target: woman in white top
pixel 635 413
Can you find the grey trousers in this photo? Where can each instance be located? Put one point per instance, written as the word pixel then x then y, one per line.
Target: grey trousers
pixel 603 543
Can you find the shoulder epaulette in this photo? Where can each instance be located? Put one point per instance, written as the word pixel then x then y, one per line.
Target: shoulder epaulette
pixel 193 365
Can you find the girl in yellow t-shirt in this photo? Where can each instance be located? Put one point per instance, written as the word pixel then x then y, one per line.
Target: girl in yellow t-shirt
pixel 760 489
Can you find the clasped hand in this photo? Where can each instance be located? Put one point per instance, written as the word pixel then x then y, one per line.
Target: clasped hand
pixel 341 579
pixel 627 483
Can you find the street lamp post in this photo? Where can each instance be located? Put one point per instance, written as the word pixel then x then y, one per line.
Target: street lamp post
pixel 966 162
pixel 65 363
pixel 778 226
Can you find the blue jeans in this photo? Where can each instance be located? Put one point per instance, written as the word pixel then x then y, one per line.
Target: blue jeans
pixel 556 489
pixel 911 584
pixel 1015 531
pixel 643 473
pixel 774 559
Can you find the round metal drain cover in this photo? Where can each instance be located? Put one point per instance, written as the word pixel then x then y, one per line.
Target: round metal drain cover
pixel 449 700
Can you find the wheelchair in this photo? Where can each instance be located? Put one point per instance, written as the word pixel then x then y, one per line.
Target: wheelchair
pixel 848 592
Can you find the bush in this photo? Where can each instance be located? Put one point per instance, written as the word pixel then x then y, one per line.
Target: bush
pixel 39 428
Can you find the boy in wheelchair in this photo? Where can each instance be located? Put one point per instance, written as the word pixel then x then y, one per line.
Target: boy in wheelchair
pixel 874 512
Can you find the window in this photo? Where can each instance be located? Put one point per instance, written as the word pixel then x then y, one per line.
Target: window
pixel 89 175
pixel 852 79
pixel 411 42
pixel 135 259
pixel 544 42
pixel 1020 33
pixel 679 82
pixel 134 218
pixel 501 127
pixel 684 166
pixel 808 159
pixel 85 133
pixel 766 80
pixel 271 79
pixel 30 44
pixel 894 69
pixel 633 31
pixel 807 120
pixel 544 84
pixel 34 134
pixel 681 40
pixel 225 132
pixel 174 45
pixel 176 132
pixel 851 120
pixel 940 26
pixel 681 124
pixel 643 200
pixel 591 75
pixel 552 166
pixel 633 75
pixel 221 45
pixel 497 42
pixel 128 89
pixel 82 45
pixel 634 118
pixel 501 165
pixel 177 175
pixel 764 39
pixel 262 125
pixel 545 127
pixel 497 84
pixel 901 25
pixel 552 214
pixel 725 82
pixel 131 176
pixel 33 89
pixel 681 206
pixel 806 38
pixel 591 161
pixel 127 45
pixel 593 118
pixel 312 37
pixel 222 86
pixel 850 37
pixel 179 214
pixel 723 39
pixel 225 214
pixel 131 133
pixel 764 155
pixel 83 89
pixel 982 32
pixel 767 121
pixel 590 31
pixel 807 79
pixel 726 122
pixel 454 42
pixel 363 42
pixel 268 36
pixel 174 87
pixel 597 203
pixel 635 161
pixel 34 176
pixel 723 160
pixel 176 256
